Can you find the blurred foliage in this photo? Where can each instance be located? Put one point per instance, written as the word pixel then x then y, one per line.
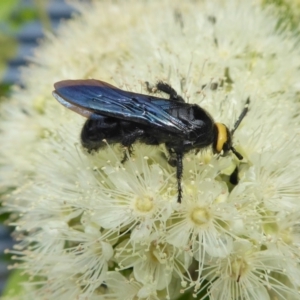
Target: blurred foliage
pixel 13 15
pixel 7 41
pixel 13 286
pixel 17 15
pixel 289 14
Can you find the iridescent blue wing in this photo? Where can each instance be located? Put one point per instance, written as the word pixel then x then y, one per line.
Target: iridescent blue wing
pixel 93 96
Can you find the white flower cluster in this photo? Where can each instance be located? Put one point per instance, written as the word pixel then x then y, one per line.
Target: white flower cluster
pixel 89 227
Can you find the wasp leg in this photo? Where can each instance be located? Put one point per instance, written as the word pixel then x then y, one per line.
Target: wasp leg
pixel 128 140
pixel 179 176
pixel 98 128
pixel 175 160
pixel 234 177
pixel 166 88
pixel 172 159
pixel 125 156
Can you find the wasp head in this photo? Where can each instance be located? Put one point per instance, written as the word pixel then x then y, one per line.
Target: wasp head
pixel 223 141
pixel 223 137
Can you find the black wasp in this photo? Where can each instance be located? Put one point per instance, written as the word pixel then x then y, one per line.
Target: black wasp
pixel 124 117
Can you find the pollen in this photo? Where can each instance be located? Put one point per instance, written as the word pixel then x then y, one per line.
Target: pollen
pixel 200 216
pixel 144 204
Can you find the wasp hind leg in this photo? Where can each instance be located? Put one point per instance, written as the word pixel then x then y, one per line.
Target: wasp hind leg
pixel 97 129
pixel 179 169
pixel 127 141
pixel 175 160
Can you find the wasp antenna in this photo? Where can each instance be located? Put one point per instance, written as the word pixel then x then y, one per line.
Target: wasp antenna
pixel 241 117
pixel 237 154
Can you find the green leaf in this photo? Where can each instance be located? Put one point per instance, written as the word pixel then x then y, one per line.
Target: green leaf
pixel 6 7
pixel 13 286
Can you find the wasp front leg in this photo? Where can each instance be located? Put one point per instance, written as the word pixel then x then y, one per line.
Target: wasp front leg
pixel 165 88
